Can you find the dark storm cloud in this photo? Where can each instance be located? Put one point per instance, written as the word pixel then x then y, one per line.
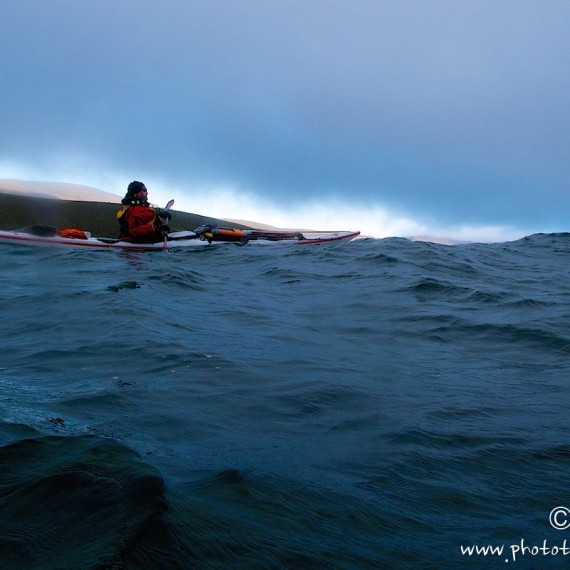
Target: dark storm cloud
pixel 456 110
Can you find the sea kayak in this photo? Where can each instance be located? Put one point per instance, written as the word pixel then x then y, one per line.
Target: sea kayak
pixel 203 236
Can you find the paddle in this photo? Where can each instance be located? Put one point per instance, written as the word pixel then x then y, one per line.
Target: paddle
pixel 165 234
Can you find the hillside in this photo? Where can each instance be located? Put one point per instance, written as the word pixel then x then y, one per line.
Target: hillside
pixel 19 210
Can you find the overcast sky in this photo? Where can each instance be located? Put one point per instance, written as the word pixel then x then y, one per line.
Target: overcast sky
pixel 393 117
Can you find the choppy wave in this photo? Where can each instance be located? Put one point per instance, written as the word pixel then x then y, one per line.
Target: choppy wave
pixel 376 404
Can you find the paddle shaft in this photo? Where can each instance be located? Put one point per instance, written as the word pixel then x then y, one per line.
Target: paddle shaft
pixel 167 207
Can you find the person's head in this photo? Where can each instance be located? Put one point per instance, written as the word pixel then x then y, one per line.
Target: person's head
pixel 136 193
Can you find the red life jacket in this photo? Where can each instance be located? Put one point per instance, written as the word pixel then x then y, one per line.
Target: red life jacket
pixel 137 223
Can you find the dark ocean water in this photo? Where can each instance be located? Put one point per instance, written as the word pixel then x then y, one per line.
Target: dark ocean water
pixel 376 404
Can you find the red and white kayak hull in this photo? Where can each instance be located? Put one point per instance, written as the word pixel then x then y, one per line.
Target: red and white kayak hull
pixel 176 240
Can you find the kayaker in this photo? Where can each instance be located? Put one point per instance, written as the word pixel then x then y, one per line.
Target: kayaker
pixel 138 220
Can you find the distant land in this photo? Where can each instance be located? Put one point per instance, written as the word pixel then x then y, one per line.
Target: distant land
pixel 61 205
pixel 61 190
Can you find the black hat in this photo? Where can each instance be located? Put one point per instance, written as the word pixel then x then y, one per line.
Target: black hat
pixel 134 187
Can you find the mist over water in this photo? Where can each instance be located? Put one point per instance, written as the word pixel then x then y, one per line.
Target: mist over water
pixel 374 404
pixel 374 218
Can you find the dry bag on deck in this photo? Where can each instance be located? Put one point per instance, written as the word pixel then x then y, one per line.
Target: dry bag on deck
pixel 74 233
pixel 211 233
